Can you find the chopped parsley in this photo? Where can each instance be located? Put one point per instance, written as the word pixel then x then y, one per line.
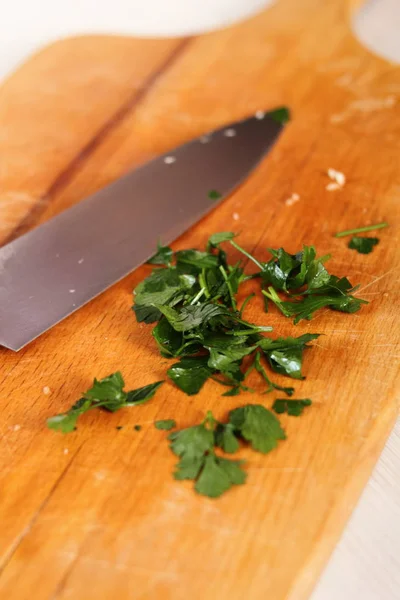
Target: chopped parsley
pixel 214 195
pixel 292 407
pixel 191 297
pixel 193 300
pixel 106 393
pixel 195 447
pixel 363 245
pixel 361 229
pixel 257 425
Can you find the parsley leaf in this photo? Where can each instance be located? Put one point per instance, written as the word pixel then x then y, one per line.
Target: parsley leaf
pixel 165 424
pixel 194 446
pixel 192 316
pixel 218 475
pixel 257 425
pixel 217 238
pixel 163 256
pixel 280 115
pixel 294 408
pixel 335 295
pixel 195 259
pixel 363 245
pixel 214 195
pixel 141 395
pixel 190 374
pixel 225 438
pixel 191 445
pixel 106 393
pixel 270 384
pixel 285 355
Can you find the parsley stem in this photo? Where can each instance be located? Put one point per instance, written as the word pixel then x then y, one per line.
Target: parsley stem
pixel 202 281
pixel 245 302
pixel 359 230
pixel 272 295
pixel 198 296
pixel 228 283
pixel 249 256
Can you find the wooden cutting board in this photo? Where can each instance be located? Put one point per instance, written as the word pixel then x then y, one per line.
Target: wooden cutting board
pixel 96 514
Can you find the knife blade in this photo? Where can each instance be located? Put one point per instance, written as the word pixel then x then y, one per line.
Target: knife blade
pixel 50 272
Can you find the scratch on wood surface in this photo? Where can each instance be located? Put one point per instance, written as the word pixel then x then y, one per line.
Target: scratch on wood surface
pixel 64 177
pixel 23 533
pixel 366 105
pixel 376 280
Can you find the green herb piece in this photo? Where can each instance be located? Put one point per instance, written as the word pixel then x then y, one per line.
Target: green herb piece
pixel 106 393
pixel 292 407
pixel 257 425
pixel 119 427
pixel 363 245
pixel 285 355
pixel 217 238
pixel 190 374
pixel 280 115
pixel 245 303
pixel 225 438
pixel 190 317
pixel 164 287
pixel 218 475
pixel 165 424
pixel 192 445
pixel 336 294
pixel 66 422
pixel 141 395
pixel 214 195
pixel 361 229
pixel 291 271
pixel 270 384
pixel 137 427
pixel 196 260
pixel 163 256
pixel 195 447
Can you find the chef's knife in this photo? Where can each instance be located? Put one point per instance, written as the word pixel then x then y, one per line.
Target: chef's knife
pixel 51 271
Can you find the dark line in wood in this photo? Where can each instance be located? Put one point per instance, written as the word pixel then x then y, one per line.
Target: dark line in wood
pixel 9 555
pixel 63 179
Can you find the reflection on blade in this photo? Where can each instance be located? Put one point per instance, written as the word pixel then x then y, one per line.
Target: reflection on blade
pixel 50 272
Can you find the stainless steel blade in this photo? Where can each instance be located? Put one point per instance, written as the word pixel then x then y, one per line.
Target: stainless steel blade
pixel 51 271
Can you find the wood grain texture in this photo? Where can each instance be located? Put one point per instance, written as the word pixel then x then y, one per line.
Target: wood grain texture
pixel 106 519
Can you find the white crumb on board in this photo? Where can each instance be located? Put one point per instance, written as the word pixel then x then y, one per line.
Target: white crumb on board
pixel 72 291
pixel 235 216
pixel 15 427
pixel 337 180
pixel 66 450
pixel 332 186
pixel 46 390
pixel 292 199
pixel 80 261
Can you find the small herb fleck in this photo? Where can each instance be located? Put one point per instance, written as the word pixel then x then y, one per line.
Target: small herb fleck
pixel 137 427
pixel 363 245
pixel 214 195
pixel 294 408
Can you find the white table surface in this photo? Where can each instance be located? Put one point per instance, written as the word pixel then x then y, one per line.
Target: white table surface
pixel 366 562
